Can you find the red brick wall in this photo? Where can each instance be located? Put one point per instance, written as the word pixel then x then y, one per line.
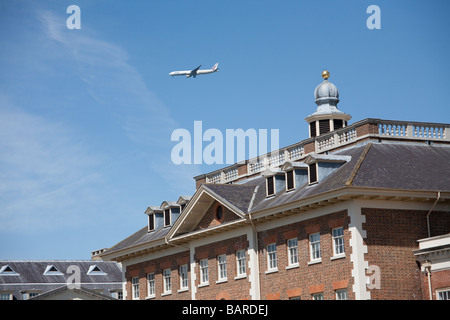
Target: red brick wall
pixel 368 128
pixel 157 266
pixel 305 280
pixel 439 280
pixel 232 289
pixel 391 238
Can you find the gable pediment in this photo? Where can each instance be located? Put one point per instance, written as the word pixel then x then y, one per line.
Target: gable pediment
pixel 201 212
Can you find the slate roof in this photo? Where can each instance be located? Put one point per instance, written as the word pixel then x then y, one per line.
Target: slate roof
pixel 29 275
pixel 140 237
pixel 399 166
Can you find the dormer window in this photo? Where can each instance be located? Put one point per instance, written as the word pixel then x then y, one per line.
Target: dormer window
pixel 274 181
pixel 167 218
pixel 290 182
pixel 295 174
pixel 312 173
pixel 52 271
pixel 321 166
pixel 151 222
pixel 7 271
pixel 270 186
pixel 95 270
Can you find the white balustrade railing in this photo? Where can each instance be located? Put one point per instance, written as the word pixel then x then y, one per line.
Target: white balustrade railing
pixel 340 137
pixel 421 130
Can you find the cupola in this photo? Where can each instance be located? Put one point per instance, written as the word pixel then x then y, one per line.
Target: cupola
pixel 327 117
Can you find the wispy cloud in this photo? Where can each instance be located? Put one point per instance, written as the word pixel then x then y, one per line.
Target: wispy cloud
pixel 48 178
pixel 44 172
pixel 116 84
pixel 113 82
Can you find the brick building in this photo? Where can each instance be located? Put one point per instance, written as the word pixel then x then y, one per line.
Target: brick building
pixel 348 213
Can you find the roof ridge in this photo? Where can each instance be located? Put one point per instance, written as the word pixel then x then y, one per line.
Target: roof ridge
pixel 355 170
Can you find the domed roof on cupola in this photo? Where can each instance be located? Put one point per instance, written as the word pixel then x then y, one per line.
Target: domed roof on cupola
pixel 327 116
pixel 326 89
pixel 327 95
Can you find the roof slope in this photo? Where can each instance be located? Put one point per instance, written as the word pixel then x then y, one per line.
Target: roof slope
pixel 33 271
pixel 406 167
pixel 238 195
pixel 140 237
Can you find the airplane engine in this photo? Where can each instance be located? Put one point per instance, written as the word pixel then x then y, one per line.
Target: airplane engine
pixel 188 76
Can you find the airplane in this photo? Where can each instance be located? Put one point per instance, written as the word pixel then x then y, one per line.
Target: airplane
pixel 194 72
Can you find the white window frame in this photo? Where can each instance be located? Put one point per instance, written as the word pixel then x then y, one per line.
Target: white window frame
pixel 204 277
pixel 5 296
pixel 184 279
pixel 443 294
pixel 316 172
pixel 267 187
pixel 314 247
pixel 222 268
pixel 167 281
pixel 317 296
pixel 169 210
pixel 293 180
pixel 338 242
pixel 151 288
pixel 152 217
pixel 341 294
pixel 292 248
pixel 272 261
pixel 241 263
pixel 135 288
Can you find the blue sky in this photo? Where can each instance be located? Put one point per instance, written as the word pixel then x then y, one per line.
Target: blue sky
pixel 86 115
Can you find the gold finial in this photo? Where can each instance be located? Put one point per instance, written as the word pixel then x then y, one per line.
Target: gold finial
pixel 325 74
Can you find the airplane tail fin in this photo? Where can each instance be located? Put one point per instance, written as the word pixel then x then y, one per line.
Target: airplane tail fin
pixel 214 68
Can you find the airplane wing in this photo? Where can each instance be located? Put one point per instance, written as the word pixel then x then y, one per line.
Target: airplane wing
pixel 196 69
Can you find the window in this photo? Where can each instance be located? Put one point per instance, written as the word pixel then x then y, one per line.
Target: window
pixel 272 263
pixel 444 294
pixel 219 213
pixel 135 287
pixel 312 173
pixel 167 281
pixel 292 245
pixel 338 123
pixel 314 246
pixel 52 271
pixel 7 271
pixel 95 270
pixel 32 294
pixel 204 279
pixel 222 264
pixel 270 186
pixel 5 296
pixel 117 295
pixel 290 180
pixel 312 129
pixel 317 296
pixel 183 277
pixel 341 294
pixel 151 222
pixel 241 263
pixel 166 217
pixel 338 241
pixel 324 126
pixel 151 284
